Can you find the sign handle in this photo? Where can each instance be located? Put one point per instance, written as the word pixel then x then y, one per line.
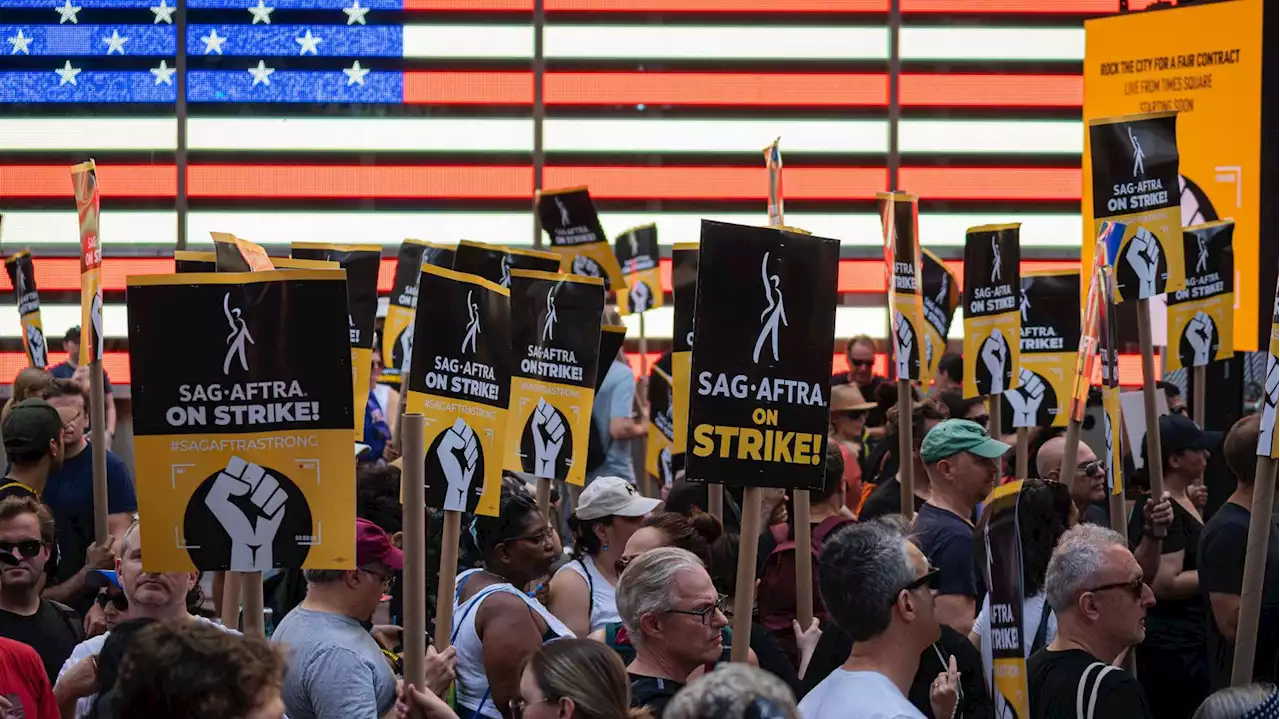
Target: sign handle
pixel 254 625
pixel 1198 375
pixel 1021 452
pixel 230 615
pixel 744 591
pixel 415 543
pixel 543 495
pixel 98 418
pixel 715 500
pixel 1155 468
pixel 804 558
pixel 1255 560
pixel 1070 451
pixel 906 462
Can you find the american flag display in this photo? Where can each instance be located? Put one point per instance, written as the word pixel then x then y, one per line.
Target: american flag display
pixel 376 120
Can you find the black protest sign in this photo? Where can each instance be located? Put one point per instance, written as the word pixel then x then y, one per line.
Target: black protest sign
pixel 569 218
pixel 1003 544
pixel 1050 309
pixel 758 405
pixel 992 321
pixel 941 296
pixel 495 263
pixel 657 458
pixel 899 222
pixel 1135 181
pixel 612 337
pixel 684 291
pixel 555 343
pixel 1202 316
pixel 397 328
pixel 459 383
pixel 637 251
pixel 22 275
pixel 189 261
pixel 243 448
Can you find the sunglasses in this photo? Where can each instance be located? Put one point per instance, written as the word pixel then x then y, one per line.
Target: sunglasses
pixel 119 601
pixel 1133 588
pixel 28 548
pixel 929 578
pixel 861 363
pixel 982 419
pixel 1091 469
pixel 854 414
pixel 705 614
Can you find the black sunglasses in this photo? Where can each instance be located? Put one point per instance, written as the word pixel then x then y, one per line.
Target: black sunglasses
pixel 1091 469
pixel 705 614
pixel 854 414
pixel 119 601
pixel 1133 588
pixel 861 363
pixel 929 578
pixel 28 548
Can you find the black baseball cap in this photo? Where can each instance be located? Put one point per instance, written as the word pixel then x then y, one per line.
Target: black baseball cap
pixel 1179 432
pixel 29 427
pixel 72 335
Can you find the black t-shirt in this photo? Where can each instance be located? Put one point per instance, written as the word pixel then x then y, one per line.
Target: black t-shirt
pixel 1176 624
pixel 1096 514
pixel 771 657
pixel 50 631
pixel 652 693
pixel 1222 549
pixel 834 647
pixel 10 487
pixel 886 498
pixel 1053 679
pixel 947 540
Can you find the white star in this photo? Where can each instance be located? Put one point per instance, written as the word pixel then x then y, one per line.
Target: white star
pixel 115 42
pixel 67 74
pixel 308 42
pixel 261 74
pixel 164 13
pixel 164 73
pixel 213 43
pixel 67 12
pixel 355 13
pixel 261 13
pixel 355 74
pixel 20 43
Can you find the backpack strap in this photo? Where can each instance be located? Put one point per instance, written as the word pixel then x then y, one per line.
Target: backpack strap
pixel 591 591
pixel 1084 710
pixel 826 527
pixel 1042 630
pixel 70 616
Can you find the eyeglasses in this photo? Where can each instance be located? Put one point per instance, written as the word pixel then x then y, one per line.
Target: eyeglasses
pixel 543 537
pixel 1133 588
pixel 929 578
pixel 705 614
pixel 518 706
pixel 1091 469
pixel 861 363
pixel 118 600
pixel 384 578
pixel 28 548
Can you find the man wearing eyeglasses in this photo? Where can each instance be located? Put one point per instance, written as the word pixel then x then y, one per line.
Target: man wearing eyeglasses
pixel 1095 588
pixel 674 616
pixel 53 630
pixel 879 589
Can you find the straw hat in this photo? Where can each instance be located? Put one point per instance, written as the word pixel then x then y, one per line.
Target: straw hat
pixel 847 398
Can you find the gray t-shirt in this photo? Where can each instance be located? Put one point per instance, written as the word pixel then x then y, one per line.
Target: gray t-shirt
pixel 336 669
pixel 614 400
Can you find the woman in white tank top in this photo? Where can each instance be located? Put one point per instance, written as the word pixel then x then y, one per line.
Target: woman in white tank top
pixel 582 591
pixel 495 623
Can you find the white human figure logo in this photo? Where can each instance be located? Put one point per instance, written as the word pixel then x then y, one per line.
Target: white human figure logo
pixel 506 271
pixel 459 453
pixel 548 327
pixel 548 429
pixel 473 324
pixel 251 537
pixel 564 212
pixel 1107 466
pixel 995 260
pixel 773 314
pixel 1202 259
pixel 1138 154
pixel 1025 304
pixel 941 298
pixel 406 349
pixel 635 245
pixel 95 317
pixel 238 336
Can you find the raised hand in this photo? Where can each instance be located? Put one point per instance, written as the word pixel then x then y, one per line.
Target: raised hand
pixel 1143 255
pixel 458 453
pixel 548 439
pixel 1199 333
pixel 251 537
pixel 904 342
pixel 1026 399
pixel 995 353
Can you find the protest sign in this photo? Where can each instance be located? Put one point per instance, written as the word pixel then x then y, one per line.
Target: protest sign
pixel 992 321
pixel 569 218
pixel 941 297
pixel 684 290
pixel 1201 326
pixel 22 275
pixel 657 458
pixel 84 180
pixel 191 261
pixel 397 328
pixel 637 251
pixel 899 220
pixel 1003 542
pixel 1050 309
pixel 494 263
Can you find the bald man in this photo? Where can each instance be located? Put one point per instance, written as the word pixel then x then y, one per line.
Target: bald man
pixel 1088 489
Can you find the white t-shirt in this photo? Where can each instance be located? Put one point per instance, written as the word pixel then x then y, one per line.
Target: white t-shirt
pixel 857 695
pixel 1032 608
pixel 93 646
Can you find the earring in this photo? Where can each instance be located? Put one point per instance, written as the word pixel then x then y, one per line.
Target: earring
pixel 605 547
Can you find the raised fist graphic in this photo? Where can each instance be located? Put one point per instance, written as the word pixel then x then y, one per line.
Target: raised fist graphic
pixel 458 452
pixel 1199 334
pixel 251 536
pixel 583 265
pixel 904 343
pixel 36 348
pixel 1270 393
pixel 640 297
pixel 548 439
pixel 1026 399
pixel 1143 256
pixel 995 356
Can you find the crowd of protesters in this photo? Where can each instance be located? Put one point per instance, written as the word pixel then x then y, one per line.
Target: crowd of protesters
pixel 619 606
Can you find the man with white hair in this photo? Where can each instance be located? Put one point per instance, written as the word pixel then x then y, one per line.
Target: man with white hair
pixel 674 616
pixel 1095 587
pixel 879 588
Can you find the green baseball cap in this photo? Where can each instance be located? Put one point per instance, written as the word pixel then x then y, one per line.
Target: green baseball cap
pixel 29 427
pixel 950 437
